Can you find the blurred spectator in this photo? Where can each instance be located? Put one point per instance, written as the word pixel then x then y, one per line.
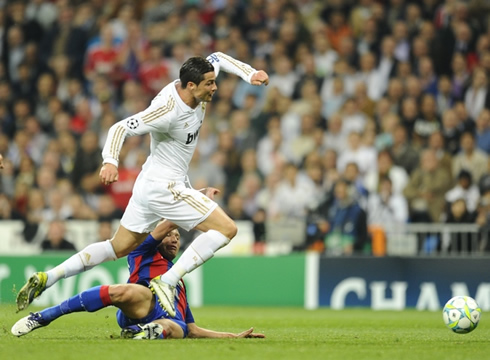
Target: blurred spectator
pixel 477 97
pixel 56 208
pixel 87 161
pixel 426 189
pixel 483 131
pixel 386 207
pixel 459 214
pixel 271 149
pixel 404 153
pixel 428 122
pixel 466 190
pixel 444 97
pixel 7 211
pixel 293 195
pixel 386 169
pixel 451 131
pixel 470 158
pixel 334 137
pixel 364 157
pixel 107 209
pixel 345 226
pixel 104 231
pixel 234 207
pixel 80 209
pixel 436 143
pixel 460 76
pixel 64 37
pixel 55 238
pixel 102 58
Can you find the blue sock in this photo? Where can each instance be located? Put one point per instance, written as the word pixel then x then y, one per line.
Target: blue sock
pixel 91 300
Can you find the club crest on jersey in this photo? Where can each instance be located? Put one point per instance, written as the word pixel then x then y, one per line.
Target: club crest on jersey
pixel 191 137
pixel 133 123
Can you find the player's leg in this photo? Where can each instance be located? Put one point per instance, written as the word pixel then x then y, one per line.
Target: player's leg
pixel 123 242
pixel 136 223
pixel 90 300
pixel 218 229
pixel 135 301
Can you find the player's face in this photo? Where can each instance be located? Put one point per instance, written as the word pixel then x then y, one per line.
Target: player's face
pixel 170 245
pixel 206 88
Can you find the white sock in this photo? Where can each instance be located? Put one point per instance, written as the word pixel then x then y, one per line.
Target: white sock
pixel 92 255
pixel 199 251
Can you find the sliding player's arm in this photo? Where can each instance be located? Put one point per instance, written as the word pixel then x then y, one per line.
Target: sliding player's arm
pixel 157 117
pixel 230 65
pixel 199 332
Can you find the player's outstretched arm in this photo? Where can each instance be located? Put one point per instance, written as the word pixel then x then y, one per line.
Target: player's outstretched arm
pixel 1 161
pixel 223 62
pixel 259 78
pixel 198 332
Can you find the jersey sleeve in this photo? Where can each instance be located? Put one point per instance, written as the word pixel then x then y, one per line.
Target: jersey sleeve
pixel 156 118
pixel 230 65
pixel 147 247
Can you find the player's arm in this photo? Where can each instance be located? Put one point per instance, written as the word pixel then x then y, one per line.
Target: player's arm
pixel 156 117
pixel 199 332
pixel 1 161
pixel 230 65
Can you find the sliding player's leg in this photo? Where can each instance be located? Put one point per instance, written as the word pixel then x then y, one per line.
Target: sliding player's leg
pixel 136 301
pixel 218 228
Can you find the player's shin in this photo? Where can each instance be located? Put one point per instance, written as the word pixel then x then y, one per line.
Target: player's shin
pixel 198 252
pixel 92 255
pixel 90 300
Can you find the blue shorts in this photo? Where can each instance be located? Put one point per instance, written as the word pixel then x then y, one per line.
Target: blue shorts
pixel 155 314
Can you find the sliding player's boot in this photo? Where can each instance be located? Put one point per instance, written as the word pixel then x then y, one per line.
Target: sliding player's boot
pixel 150 331
pixel 27 324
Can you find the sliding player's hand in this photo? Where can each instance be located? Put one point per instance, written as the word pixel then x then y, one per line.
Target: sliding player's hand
pixel 259 78
pixel 108 174
pixel 250 334
pixel 1 161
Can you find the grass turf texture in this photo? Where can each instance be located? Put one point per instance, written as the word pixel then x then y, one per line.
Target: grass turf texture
pixel 292 333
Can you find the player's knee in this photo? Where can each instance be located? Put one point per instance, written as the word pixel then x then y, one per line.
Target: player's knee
pixel 120 294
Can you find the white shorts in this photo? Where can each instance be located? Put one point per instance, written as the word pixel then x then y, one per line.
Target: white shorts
pixel 153 201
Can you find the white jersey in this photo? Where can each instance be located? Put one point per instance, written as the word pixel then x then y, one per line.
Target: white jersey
pixel 173 126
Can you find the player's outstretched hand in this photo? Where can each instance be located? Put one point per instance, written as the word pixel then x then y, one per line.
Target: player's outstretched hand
pixel 259 78
pixel 1 161
pixel 108 174
pixel 250 334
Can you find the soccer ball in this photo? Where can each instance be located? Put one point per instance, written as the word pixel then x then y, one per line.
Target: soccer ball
pixel 461 314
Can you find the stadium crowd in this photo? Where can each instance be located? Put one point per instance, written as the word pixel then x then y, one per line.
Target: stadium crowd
pixel 377 112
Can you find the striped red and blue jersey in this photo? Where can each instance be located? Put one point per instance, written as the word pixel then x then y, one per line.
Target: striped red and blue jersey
pixel 146 263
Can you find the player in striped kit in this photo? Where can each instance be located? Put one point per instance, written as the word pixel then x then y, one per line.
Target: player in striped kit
pixel 139 314
pixel 161 191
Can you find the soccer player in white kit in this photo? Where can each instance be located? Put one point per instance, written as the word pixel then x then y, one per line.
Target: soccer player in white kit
pixel 161 190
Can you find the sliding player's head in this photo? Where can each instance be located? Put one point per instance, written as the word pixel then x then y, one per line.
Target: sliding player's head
pixel 197 74
pixel 170 246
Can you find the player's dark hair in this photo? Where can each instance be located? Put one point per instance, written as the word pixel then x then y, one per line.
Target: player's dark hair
pixel 193 70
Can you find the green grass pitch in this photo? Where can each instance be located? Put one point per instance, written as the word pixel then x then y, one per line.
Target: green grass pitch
pixel 292 333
